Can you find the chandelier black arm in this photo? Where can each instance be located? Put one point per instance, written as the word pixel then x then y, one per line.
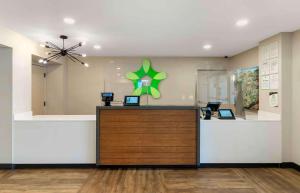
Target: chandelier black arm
pixel 75 58
pixel 52 57
pixel 74 47
pixel 53 45
pixel 72 53
pixel 71 58
pixel 55 51
pixel 52 48
pixel 57 57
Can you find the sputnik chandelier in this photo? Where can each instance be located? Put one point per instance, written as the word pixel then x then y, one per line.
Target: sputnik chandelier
pixel 56 52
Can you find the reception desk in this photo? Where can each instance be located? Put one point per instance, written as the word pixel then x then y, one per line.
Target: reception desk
pixel 147 135
pixel 221 141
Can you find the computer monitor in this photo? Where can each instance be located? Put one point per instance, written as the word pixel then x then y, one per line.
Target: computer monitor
pixel 214 106
pixel 226 114
pixel 107 97
pixel 131 101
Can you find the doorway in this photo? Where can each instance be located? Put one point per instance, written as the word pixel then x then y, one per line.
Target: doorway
pixel 48 87
pixel 38 88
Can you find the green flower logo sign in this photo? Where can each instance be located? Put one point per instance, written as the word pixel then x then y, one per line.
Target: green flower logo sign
pixel 146 70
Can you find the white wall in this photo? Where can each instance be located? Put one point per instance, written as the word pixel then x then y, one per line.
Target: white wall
pixel 15 85
pixel 23 48
pixel 84 85
pixel 248 58
pixel 295 112
pixel 5 105
pixel 284 42
pixel 286 96
pixel 78 92
pixel 264 94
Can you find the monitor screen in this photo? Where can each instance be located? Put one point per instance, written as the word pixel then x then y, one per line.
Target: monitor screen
pixel 132 101
pixel 226 114
pixel 107 96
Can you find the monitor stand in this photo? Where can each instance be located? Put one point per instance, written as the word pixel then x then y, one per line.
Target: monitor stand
pixel 107 103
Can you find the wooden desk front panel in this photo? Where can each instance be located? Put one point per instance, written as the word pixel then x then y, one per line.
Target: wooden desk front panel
pixel 147 137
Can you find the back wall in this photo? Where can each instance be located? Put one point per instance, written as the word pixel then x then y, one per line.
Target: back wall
pixel 84 85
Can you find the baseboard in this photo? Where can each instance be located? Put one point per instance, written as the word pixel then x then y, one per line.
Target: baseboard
pixel 147 166
pixel 290 165
pixel 45 166
pixel 239 165
pixel 287 165
pixel 203 165
pixel 6 166
pixel 251 165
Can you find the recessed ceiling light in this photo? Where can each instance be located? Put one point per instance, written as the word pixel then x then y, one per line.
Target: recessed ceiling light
pixel 207 46
pixel 83 55
pixel 86 65
pixel 118 68
pixel 242 22
pixel 97 47
pixel 69 20
pixel 43 45
pixel 41 60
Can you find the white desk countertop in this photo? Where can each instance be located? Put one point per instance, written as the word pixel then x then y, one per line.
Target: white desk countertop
pixel 57 118
pixel 27 116
pixel 93 118
pixel 214 119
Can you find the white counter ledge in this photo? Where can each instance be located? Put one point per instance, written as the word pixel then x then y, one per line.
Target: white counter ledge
pixel 56 118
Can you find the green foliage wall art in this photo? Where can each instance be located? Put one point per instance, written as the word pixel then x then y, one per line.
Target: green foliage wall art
pixel 144 71
pixel 248 78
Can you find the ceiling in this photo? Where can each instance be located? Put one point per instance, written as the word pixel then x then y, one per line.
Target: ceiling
pixel 153 27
